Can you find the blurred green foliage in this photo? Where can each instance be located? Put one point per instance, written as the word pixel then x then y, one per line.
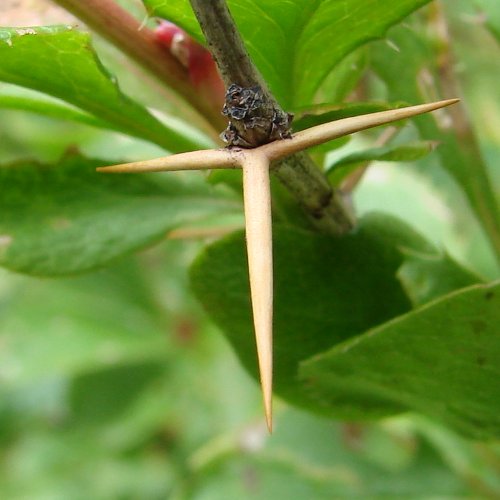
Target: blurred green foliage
pixel 115 383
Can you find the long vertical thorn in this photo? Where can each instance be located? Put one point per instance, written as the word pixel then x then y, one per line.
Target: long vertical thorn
pixel 257 201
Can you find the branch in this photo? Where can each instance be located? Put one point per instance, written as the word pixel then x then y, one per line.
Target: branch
pixel 115 24
pixel 242 79
pixel 299 174
pixel 226 45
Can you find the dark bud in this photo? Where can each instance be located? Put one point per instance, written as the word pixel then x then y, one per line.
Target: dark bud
pixel 253 120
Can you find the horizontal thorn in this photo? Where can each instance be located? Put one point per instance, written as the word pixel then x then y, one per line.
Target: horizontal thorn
pixel 194 160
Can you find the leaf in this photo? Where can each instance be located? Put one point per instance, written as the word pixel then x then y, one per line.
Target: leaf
pixel 296 44
pixel 98 397
pixel 429 275
pixel 61 62
pixel 324 113
pixel 324 292
pixel 68 219
pixel 344 77
pixel 77 325
pixel 441 360
pixel 318 114
pixel 400 153
pixel 51 109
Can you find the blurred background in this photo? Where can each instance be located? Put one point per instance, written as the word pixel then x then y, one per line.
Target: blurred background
pixel 116 385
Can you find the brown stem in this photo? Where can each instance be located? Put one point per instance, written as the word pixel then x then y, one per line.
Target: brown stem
pixel 298 173
pixel 226 45
pixel 236 68
pixel 114 23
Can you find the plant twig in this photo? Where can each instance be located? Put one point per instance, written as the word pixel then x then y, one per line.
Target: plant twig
pixel 300 175
pixel 226 45
pixel 113 22
pixel 307 184
pixel 235 65
pixel 256 164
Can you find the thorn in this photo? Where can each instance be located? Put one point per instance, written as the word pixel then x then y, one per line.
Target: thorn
pixel 193 160
pixel 257 200
pixel 347 126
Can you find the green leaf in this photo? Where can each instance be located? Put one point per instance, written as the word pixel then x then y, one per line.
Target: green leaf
pixel 84 324
pixel 399 153
pixel 318 114
pixel 53 110
pixel 104 395
pixel 324 292
pixel 344 77
pixel 441 360
pixel 296 44
pixel 429 275
pixel 324 113
pixel 61 62
pixel 67 218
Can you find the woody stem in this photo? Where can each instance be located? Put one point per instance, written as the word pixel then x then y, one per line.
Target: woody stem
pixel 298 173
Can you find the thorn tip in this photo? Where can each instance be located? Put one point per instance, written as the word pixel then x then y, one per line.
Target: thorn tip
pixel 257 201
